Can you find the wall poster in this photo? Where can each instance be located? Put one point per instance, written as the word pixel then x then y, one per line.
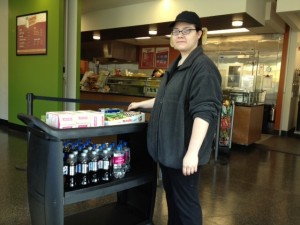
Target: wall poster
pixel 147 57
pixel 32 34
pixel 162 57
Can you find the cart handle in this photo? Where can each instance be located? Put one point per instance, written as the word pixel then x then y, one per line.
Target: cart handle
pixel 32 121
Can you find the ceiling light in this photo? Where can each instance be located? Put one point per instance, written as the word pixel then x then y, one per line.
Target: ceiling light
pixel 228 31
pixel 140 38
pixel 152 29
pixel 96 36
pixel 152 32
pixel 237 23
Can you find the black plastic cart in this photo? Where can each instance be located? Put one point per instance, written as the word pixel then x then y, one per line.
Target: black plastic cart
pixel 46 194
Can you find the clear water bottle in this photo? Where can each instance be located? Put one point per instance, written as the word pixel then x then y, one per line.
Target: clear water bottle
pixel 93 168
pixel 71 180
pixel 118 162
pixel 127 156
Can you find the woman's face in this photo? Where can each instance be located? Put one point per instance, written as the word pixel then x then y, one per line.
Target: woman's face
pixel 157 74
pixel 185 43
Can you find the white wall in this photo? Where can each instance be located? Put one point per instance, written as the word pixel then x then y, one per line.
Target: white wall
pixel 4 60
pixel 289 11
pixel 164 11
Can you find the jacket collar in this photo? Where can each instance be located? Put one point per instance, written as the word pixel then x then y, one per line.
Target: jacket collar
pixel 189 60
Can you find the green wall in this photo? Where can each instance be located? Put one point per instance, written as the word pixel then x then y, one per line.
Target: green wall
pixel 38 74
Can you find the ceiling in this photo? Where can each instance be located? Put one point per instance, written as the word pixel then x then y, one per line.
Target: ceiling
pixel 127 34
pixel 93 5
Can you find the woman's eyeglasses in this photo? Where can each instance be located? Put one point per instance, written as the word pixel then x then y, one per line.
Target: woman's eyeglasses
pixel 185 31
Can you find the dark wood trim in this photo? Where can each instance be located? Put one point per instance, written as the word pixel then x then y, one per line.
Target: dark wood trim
pixel 3 122
pixel 13 126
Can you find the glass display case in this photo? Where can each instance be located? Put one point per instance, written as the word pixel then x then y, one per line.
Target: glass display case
pixel 133 85
pixel 249 65
pixel 241 97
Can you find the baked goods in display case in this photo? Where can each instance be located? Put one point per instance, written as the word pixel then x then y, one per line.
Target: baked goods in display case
pixel 94 82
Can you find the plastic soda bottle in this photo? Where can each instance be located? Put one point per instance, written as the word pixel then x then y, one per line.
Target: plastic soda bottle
pixel 106 170
pixel 71 180
pixel 83 169
pixel 93 168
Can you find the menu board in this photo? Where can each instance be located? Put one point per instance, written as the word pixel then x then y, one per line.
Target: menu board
pixel 32 34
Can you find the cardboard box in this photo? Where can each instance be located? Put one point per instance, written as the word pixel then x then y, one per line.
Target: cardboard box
pixel 136 117
pixel 75 119
pixel 61 120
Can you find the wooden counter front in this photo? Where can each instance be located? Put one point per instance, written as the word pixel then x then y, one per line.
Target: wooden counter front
pixel 247 124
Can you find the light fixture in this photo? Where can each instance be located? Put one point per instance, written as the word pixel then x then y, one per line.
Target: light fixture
pixel 228 31
pixel 152 32
pixel 152 29
pixel 237 23
pixel 96 35
pixel 142 38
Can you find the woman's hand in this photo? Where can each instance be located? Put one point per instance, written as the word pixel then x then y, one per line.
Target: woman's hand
pixel 189 164
pixel 133 105
pixel 146 104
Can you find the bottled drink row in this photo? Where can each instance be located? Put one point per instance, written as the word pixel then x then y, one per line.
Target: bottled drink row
pixel 87 164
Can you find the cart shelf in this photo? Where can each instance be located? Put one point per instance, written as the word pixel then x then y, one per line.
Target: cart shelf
pixel 130 181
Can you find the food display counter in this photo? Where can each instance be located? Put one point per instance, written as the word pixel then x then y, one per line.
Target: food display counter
pixel 138 86
pixel 134 85
pixel 247 97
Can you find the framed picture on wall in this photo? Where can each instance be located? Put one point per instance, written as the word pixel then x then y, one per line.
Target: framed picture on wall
pixel 148 55
pixel 162 57
pixel 31 31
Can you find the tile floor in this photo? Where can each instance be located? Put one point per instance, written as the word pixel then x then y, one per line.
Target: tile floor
pixel 254 185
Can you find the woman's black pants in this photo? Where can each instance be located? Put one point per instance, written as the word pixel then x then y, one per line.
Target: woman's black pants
pixel 182 196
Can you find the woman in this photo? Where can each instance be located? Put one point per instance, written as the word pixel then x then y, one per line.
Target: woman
pixel 183 120
pixel 157 73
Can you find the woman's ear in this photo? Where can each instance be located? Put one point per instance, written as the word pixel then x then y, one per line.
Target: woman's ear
pixel 171 41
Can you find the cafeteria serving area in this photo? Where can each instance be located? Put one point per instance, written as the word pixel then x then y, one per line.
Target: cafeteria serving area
pixel 257 184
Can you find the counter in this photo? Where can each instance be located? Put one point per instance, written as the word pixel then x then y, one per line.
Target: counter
pixel 247 124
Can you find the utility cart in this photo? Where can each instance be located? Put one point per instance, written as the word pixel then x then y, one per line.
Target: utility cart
pixel 48 198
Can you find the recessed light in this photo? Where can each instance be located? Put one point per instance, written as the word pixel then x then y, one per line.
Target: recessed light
pixel 237 23
pixel 153 32
pixel 140 38
pixel 228 31
pixel 96 36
